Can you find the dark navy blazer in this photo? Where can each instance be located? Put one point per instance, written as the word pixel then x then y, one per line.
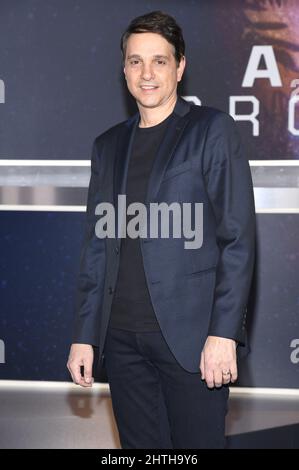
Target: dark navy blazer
pixel 194 292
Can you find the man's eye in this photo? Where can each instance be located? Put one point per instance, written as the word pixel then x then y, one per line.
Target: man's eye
pixel 161 62
pixel 134 62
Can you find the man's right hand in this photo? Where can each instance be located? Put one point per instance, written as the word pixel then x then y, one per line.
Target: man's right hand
pixel 81 355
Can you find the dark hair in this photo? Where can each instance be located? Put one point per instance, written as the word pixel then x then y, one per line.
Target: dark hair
pixel 160 23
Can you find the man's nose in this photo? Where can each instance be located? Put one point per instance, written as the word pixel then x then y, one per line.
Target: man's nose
pixel 147 72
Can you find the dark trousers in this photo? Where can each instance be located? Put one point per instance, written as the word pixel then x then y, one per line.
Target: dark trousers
pixel 156 403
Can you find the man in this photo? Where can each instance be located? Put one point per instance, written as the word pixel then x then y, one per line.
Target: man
pixel 170 333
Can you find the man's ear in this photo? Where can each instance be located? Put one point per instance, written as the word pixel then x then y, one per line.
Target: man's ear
pixel 181 66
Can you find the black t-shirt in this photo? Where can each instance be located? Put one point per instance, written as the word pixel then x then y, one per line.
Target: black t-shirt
pixel 131 306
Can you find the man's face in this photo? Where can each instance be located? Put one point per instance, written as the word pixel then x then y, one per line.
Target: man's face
pixel 151 70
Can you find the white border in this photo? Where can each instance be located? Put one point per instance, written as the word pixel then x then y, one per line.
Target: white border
pixel 273 162
pixel 283 210
pixel 104 387
pixel 70 208
pixel 34 385
pixel 25 162
pixel 42 208
pixel 20 162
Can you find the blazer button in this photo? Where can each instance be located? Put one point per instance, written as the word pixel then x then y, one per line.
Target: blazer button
pixel 116 250
pixel 110 290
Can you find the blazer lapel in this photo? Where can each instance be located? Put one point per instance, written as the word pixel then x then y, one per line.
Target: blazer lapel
pixel 163 157
pixel 123 152
pixel 170 140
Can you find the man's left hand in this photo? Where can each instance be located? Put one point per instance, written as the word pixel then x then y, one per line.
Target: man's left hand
pixel 218 363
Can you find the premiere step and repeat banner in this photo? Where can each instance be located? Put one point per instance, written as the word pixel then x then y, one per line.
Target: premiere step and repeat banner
pixel 61 84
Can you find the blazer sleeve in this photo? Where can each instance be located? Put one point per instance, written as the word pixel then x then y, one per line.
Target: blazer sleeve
pixel 90 283
pixel 230 191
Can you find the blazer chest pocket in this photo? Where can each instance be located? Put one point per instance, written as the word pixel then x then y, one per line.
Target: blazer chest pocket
pixel 201 272
pixel 177 170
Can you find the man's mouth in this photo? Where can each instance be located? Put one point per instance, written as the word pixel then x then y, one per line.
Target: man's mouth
pixel 148 87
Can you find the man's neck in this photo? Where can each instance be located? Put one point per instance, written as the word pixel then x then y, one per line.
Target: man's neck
pixel 152 116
